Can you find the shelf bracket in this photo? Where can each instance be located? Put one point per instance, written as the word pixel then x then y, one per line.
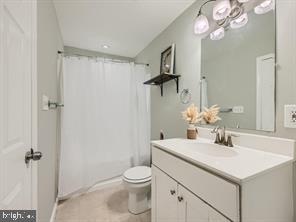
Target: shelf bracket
pixel 161 89
pixel 161 79
pixel 177 84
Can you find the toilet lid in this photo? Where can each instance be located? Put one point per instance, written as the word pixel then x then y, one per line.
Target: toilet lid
pixel 138 173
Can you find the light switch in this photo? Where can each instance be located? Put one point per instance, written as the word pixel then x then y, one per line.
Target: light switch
pixel 238 109
pixel 290 116
pixel 45 101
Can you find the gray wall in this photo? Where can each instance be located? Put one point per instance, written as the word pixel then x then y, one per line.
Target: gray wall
pixel 166 110
pixel 49 41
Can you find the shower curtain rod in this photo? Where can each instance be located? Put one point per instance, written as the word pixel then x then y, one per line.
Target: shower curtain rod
pixel 114 60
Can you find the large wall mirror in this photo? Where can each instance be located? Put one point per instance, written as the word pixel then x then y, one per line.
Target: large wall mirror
pixel 238 74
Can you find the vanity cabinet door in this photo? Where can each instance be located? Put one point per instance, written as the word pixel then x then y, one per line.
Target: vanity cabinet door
pixel 193 209
pixel 214 216
pixel 164 197
pixel 190 207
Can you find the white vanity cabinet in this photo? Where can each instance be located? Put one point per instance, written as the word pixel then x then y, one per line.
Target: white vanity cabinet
pixel 171 202
pixel 185 189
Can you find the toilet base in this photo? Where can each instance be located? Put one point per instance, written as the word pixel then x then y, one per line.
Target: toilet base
pixel 138 202
pixel 139 196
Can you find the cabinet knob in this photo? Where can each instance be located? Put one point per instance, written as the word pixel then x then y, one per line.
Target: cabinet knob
pixel 180 199
pixel 173 192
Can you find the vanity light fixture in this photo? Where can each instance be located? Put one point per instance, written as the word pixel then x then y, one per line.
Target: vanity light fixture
pixel 218 34
pixel 227 14
pixel 239 22
pixel 264 7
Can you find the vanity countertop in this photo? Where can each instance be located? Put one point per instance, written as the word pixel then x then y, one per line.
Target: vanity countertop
pixel 238 164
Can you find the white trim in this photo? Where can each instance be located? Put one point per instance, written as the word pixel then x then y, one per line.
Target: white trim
pixel 105 184
pixel 98 186
pixel 34 109
pixel 259 94
pixel 54 211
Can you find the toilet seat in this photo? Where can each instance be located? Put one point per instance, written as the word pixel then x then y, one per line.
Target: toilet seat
pixel 148 180
pixel 139 174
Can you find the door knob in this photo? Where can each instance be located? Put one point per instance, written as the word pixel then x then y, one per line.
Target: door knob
pixel 180 199
pixel 172 192
pixel 31 155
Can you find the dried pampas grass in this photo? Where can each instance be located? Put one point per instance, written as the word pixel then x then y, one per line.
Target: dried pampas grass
pixel 191 115
pixel 210 115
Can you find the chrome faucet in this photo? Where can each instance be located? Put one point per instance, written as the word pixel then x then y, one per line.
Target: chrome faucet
pixel 221 137
pixel 220 134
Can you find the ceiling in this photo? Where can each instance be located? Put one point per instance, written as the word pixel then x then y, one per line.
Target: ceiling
pixel 127 26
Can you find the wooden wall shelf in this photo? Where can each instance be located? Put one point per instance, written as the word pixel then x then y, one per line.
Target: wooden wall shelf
pixel 162 78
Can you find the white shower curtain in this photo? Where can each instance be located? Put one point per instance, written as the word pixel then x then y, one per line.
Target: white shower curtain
pixel 105 122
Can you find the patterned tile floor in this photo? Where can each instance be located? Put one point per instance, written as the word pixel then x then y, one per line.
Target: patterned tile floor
pixel 107 205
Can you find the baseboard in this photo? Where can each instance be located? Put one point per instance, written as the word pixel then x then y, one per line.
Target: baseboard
pixel 105 184
pixel 99 186
pixel 54 210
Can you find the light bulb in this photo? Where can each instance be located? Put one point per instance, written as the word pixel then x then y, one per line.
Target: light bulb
pixel 201 24
pixel 243 1
pixel 266 3
pixel 218 34
pixel 221 10
pixel 264 7
pixel 240 21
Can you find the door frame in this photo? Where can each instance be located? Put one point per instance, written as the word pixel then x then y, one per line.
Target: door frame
pixel 259 96
pixel 34 112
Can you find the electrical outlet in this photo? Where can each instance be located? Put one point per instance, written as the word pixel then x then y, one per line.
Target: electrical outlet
pixel 238 109
pixel 290 116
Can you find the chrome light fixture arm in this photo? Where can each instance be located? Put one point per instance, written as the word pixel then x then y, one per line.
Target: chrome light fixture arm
pixel 200 8
pixel 237 10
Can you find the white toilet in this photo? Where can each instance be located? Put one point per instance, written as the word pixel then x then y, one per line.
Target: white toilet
pixel 137 181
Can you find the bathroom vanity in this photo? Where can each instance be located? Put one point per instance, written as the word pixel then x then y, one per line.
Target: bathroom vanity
pixel 199 181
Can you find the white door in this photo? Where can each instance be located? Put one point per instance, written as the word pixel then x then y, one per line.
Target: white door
pixel 265 106
pixel 17 22
pixel 164 197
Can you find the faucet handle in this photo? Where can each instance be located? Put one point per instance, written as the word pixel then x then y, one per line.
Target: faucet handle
pixel 229 139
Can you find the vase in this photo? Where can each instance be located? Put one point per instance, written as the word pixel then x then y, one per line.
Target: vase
pixel 191 132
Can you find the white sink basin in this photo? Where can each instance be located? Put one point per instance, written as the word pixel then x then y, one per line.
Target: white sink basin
pixel 212 149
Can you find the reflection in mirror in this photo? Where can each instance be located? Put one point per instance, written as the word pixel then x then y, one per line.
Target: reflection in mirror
pixel 238 74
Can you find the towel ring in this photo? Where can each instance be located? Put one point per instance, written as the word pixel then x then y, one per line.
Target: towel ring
pixel 185 96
